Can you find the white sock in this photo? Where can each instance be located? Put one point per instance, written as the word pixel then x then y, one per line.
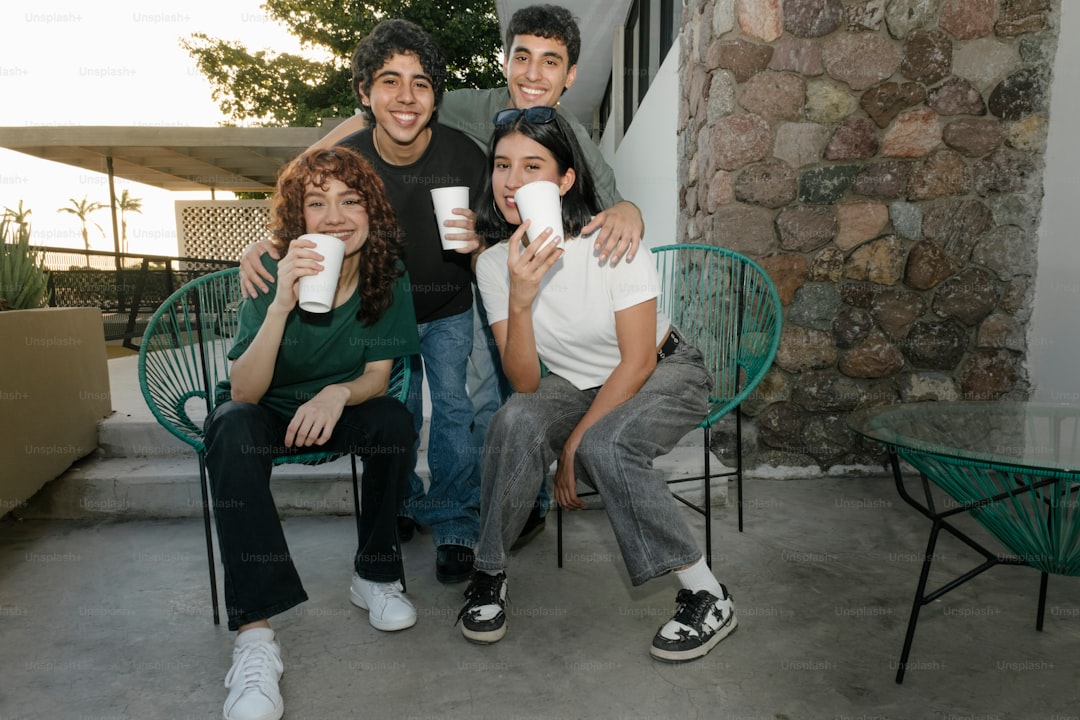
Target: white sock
pixel 257 634
pixel 699 577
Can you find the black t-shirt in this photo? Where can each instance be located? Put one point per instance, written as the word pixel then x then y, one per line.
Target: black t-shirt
pixel 441 279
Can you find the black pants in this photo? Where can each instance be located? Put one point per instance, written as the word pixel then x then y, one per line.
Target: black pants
pixel 242 441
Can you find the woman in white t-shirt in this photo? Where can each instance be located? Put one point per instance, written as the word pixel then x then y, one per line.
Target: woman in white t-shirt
pixel 604 384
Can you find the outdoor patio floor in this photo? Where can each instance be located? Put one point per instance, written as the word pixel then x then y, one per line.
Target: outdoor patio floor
pixel 111 620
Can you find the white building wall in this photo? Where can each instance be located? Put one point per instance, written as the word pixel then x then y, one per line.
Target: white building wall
pixel 1054 334
pixel 646 161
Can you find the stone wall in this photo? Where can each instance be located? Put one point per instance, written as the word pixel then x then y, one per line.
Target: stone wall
pixel 883 160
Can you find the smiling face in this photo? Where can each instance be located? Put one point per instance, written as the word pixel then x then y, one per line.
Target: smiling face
pixel 537 71
pixel 336 210
pixel 520 160
pixel 402 99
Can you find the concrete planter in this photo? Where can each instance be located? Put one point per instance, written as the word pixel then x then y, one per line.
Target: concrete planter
pixel 54 389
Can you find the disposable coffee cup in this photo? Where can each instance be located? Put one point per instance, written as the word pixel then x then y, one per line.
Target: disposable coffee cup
pixel 445 199
pixel 317 291
pixel 540 203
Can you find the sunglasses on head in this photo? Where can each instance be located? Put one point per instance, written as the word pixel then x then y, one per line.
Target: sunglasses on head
pixel 538 115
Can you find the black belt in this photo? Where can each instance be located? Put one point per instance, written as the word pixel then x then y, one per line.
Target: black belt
pixel 671 343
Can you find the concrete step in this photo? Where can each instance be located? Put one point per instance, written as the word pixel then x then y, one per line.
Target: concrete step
pixel 125 435
pixel 140 470
pixel 167 486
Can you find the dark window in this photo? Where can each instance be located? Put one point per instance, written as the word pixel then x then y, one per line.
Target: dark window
pixel 650 30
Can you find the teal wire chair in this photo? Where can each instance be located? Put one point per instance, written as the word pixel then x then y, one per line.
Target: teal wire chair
pixel 726 305
pixel 183 356
pixel 1033 510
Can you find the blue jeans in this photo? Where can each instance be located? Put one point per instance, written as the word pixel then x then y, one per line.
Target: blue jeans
pixel 615 457
pixel 489 388
pixel 451 504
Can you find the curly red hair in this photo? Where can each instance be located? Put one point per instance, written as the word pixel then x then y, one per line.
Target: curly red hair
pixel 380 258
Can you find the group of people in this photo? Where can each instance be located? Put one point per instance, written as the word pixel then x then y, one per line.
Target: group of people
pixel 534 353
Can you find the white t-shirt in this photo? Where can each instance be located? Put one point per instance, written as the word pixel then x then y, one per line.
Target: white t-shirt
pixel 574 311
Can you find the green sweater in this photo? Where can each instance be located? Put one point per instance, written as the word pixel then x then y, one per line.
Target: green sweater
pixel 324 349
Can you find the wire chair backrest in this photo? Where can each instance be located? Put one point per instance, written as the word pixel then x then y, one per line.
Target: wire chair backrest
pixel 724 304
pixel 184 352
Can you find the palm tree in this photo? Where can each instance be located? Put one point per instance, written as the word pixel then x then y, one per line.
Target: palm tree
pixel 126 204
pixel 20 217
pixel 82 209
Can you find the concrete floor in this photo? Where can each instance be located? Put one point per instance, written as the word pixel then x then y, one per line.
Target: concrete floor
pixel 111 620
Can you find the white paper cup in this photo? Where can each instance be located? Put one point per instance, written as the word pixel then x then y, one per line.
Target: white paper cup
pixel 317 291
pixel 540 203
pixel 445 199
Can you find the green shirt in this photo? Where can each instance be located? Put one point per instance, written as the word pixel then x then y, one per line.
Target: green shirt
pixel 324 349
pixel 472 111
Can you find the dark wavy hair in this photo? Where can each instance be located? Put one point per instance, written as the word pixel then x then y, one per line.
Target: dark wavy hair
pixel 396 37
pixel 579 203
pixel 546 21
pixel 380 257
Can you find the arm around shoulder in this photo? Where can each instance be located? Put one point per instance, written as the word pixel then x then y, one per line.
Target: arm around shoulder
pixel 350 125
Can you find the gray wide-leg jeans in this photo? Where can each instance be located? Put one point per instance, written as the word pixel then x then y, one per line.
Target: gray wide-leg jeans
pixel 615 457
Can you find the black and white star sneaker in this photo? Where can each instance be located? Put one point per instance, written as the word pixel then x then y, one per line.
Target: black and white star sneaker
pixel 701 621
pixel 483 618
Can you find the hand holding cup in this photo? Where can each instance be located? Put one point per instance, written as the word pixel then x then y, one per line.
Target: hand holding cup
pixel 446 200
pixel 316 292
pixel 541 204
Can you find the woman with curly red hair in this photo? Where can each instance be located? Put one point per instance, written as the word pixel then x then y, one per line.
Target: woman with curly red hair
pixel 303 382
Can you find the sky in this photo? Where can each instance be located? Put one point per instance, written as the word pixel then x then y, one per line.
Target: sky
pixel 78 63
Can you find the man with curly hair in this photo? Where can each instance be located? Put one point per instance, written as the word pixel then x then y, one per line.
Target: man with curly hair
pixel 543 43
pixel 542 46
pixel 301 382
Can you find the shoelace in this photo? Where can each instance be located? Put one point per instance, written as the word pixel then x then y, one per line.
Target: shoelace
pixel 692 608
pixel 483 590
pixel 388 590
pixel 257 662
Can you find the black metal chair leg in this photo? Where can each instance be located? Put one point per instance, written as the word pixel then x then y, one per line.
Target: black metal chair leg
pixel 204 487
pixel 920 600
pixel 1042 602
pixel 558 531
pixel 708 502
pixel 738 462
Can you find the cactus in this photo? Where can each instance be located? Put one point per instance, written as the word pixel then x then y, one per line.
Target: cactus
pixel 24 281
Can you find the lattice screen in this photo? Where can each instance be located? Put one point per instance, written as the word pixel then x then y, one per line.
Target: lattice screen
pixel 220 229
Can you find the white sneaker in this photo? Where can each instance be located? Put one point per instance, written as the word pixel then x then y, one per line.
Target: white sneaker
pixel 253 678
pixel 388 608
pixel 701 621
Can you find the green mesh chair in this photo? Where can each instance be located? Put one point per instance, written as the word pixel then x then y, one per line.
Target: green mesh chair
pixel 182 357
pixel 1011 466
pixel 724 304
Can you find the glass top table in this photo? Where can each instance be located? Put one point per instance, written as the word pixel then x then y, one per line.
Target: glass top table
pixel 1035 436
pixel 1012 466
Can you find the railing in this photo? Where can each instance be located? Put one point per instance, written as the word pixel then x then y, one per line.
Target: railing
pixel 127 287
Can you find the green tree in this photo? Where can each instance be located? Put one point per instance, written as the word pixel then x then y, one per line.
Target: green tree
pixel 82 209
pixel 127 204
pixel 283 89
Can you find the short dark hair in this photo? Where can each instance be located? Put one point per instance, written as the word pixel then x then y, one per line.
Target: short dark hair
pixel 546 21
pixel 396 37
pixel 579 204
